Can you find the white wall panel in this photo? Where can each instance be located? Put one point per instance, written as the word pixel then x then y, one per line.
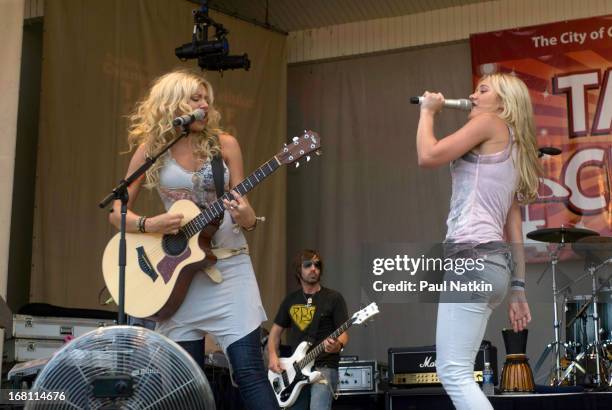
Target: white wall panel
pixel 450 24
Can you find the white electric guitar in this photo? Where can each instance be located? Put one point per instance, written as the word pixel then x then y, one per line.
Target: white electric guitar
pixel 297 369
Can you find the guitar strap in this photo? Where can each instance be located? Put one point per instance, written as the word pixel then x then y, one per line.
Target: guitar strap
pixel 216 164
pixel 217 171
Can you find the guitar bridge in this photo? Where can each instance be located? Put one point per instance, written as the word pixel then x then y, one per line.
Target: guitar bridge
pixel 145 264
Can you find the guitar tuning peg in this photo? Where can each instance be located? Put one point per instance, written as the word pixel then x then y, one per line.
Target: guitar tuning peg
pixel 295 139
pixel 307 158
pixel 297 164
pixel 318 152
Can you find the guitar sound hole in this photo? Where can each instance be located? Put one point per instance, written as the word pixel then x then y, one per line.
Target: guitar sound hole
pixel 174 245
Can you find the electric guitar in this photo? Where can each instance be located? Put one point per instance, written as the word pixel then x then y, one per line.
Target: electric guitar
pixel 297 369
pixel 160 267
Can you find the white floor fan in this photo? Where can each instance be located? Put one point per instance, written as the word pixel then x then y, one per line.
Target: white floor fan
pixel 122 367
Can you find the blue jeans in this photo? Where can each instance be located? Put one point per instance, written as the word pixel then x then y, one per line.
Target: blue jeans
pixel 318 396
pixel 248 370
pixel 249 373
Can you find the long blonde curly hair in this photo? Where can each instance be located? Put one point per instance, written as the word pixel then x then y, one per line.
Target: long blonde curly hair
pixel 168 98
pixel 518 113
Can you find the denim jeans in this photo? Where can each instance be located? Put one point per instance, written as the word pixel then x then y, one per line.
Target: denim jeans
pixel 248 370
pixel 318 396
pixel 460 328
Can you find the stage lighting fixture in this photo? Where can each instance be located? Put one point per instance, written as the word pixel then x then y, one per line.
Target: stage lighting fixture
pixel 212 55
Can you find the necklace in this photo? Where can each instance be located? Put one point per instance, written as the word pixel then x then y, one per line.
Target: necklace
pixel 308 298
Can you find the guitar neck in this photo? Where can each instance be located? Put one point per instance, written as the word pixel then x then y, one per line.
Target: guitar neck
pixel 314 353
pixel 217 208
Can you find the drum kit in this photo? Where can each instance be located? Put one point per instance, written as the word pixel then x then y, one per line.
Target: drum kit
pixel 585 357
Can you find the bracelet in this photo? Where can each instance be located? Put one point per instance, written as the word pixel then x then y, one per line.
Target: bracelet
pixel 252 227
pixel 141 224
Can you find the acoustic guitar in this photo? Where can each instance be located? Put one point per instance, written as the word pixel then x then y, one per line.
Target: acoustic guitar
pixel 160 267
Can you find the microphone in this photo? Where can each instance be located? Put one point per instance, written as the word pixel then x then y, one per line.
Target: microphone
pixel 548 151
pixel 461 104
pixel 187 119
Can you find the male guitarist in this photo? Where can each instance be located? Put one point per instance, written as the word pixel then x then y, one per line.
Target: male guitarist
pixel 311 313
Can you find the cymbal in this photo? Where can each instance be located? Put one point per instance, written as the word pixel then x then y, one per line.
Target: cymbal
pixel 595 248
pixel 560 235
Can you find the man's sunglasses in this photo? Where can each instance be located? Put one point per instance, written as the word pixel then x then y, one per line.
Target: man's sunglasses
pixel 308 264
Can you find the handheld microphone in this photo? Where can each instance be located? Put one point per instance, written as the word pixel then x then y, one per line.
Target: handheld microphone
pixel 461 104
pixel 187 119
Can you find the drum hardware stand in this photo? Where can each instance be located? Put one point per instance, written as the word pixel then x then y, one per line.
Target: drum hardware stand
pixel 559 236
pixel 555 346
pixel 554 258
pixel 597 379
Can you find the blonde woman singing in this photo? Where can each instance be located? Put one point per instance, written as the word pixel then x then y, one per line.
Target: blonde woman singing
pixel 494 168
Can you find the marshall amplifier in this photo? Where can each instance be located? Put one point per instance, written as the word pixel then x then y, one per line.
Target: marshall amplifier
pixel 417 365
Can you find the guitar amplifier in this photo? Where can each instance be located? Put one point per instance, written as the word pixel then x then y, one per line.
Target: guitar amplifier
pixel 360 376
pixel 417 365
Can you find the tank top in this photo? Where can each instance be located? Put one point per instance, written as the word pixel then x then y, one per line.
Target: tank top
pixel 177 183
pixel 483 189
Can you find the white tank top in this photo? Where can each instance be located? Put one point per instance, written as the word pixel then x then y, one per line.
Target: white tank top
pixel 484 187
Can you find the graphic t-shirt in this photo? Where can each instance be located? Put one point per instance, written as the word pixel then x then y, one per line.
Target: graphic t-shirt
pixel 296 316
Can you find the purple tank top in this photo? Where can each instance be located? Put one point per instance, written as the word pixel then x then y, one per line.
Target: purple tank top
pixel 483 190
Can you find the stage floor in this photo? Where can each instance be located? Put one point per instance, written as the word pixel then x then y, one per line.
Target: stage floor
pixel 417 399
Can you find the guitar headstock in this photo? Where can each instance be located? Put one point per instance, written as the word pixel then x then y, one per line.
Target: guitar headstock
pixel 305 144
pixel 365 314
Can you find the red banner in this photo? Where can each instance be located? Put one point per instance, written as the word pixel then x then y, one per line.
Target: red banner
pixel 567 67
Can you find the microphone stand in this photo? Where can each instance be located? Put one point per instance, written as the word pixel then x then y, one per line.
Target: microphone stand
pixel 120 192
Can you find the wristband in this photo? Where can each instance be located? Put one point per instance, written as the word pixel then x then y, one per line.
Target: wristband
pixel 517 284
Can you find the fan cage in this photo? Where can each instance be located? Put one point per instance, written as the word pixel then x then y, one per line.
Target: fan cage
pixel 163 375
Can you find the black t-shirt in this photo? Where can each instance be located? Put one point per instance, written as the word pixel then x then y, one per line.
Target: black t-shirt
pixel 295 316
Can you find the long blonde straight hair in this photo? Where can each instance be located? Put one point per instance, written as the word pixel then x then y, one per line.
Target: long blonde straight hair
pixel 518 113
pixel 168 98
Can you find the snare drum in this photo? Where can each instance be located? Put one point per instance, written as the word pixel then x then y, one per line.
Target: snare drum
pixel 581 332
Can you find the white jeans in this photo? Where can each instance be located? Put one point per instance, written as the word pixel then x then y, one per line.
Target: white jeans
pixel 460 328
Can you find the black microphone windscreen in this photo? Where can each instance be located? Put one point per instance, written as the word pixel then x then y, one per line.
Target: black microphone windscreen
pixel 549 150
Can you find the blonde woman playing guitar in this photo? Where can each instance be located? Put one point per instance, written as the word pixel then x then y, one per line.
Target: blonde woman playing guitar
pixel 230 308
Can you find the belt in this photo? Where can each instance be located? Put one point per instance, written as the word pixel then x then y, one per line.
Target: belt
pixel 223 253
